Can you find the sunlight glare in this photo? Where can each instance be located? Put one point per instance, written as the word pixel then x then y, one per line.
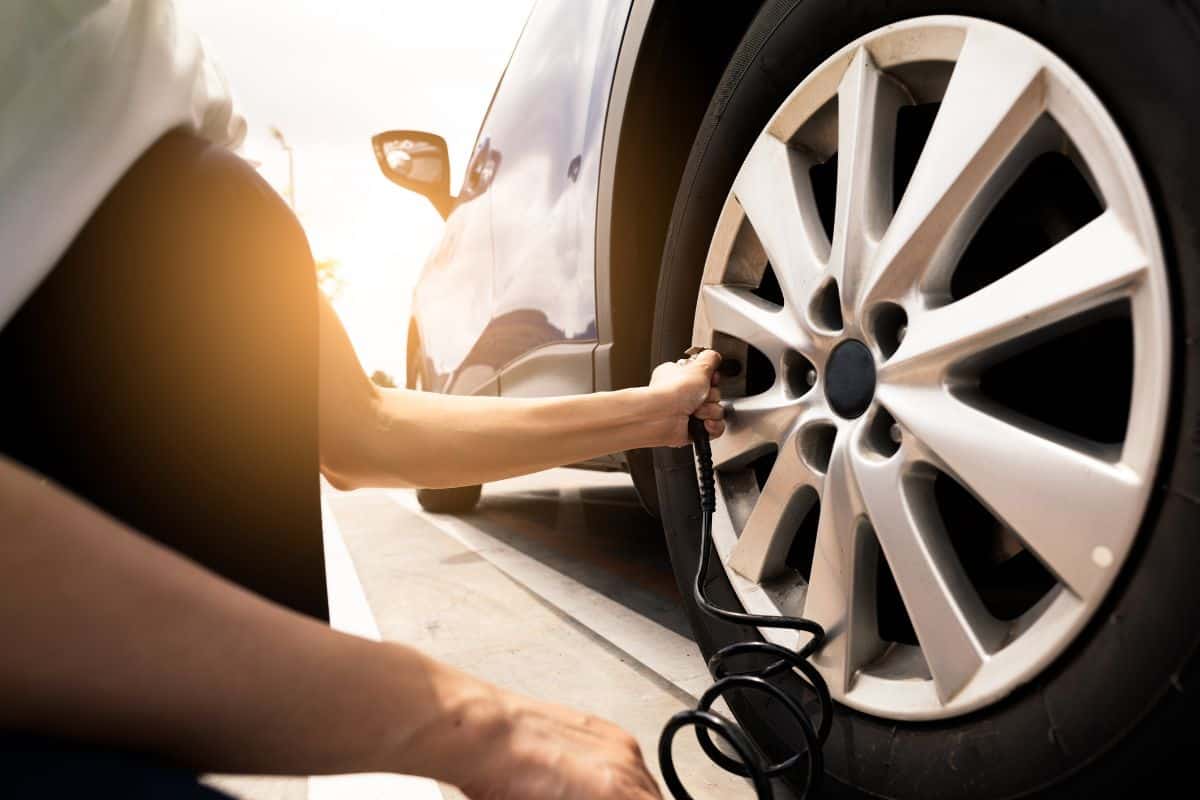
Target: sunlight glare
pixel 331 74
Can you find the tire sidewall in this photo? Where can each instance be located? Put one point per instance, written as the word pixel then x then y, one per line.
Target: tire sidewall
pixel 1121 680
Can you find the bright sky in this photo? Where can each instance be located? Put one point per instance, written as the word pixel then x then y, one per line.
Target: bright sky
pixel 329 74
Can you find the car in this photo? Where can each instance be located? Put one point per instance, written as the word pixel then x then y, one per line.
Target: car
pixel 948 252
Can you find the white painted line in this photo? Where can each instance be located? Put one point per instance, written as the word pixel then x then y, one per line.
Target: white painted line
pixel 372 786
pixel 350 612
pixel 674 657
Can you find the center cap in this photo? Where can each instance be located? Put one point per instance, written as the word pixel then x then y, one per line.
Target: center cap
pixel 850 378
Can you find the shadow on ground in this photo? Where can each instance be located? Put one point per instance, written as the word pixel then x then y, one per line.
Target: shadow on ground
pixel 599 536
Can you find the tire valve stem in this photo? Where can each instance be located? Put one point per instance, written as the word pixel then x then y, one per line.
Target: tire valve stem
pixel 751 762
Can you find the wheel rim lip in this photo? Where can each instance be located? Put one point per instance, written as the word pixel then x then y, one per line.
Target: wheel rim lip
pixel 1047 630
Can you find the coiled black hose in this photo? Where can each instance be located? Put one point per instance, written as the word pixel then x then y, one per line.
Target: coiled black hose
pixel 750 763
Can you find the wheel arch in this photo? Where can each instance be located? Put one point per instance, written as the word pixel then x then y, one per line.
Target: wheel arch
pixel 670 64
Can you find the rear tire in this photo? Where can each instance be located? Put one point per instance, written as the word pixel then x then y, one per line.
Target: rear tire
pixel 459 500
pixel 1107 717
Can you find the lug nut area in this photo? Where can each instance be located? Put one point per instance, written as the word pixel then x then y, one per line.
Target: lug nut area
pixel 825 311
pixel 799 374
pixel 889 324
pixel 883 435
pixel 816 445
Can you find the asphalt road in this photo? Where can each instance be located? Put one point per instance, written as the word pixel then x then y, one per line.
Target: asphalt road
pixel 558 586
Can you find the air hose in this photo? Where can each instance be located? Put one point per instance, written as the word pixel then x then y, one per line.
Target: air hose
pixel 750 762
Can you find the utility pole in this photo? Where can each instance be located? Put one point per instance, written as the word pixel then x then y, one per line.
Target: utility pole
pixel 287 148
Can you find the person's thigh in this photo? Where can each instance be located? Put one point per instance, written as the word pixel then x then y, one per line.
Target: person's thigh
pixel 42 768
pixel 166 371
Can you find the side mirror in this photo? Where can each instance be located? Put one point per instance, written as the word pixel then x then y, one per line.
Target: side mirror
pixel 417 161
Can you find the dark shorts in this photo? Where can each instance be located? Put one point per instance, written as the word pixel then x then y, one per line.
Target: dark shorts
pixel 32 768
pixel 166 372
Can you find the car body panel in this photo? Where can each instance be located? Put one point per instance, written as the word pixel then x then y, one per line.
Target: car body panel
pixel 453 287
pixel 512 284
pixel 452 302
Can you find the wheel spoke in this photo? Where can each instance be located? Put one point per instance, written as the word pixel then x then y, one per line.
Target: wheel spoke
pixel 740 313
pixel 790 491
pixel 867 107
pixel 1097 264
pixel 775 192
pixel 753 425
pixel 841 590
pixel 1065 500
pixel 995 95
pixel 953 627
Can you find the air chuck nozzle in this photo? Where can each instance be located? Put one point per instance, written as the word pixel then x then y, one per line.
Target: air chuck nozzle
pixel 730 367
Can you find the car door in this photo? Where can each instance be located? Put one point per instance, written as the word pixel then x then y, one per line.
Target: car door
pixel 544 132
pixel 453 299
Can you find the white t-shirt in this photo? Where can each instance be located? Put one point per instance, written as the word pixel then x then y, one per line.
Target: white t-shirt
pixel 86 86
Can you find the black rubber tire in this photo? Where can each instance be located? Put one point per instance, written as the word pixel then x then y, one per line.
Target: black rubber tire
pixel 458 500
pixel 641 470
pixel 461 499
pixel 1107 718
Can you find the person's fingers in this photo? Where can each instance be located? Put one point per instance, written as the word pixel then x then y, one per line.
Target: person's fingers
pixel 644 787
pixel 709 411
pixel 714 395
pixel 715 427
pixel 628 787
pixel 636 775
pixel 709 360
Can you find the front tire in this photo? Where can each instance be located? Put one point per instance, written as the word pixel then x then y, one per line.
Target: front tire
pixel 1106 713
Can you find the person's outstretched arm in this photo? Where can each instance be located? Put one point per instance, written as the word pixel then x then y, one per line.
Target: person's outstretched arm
pixel 114 640
pixel 396 437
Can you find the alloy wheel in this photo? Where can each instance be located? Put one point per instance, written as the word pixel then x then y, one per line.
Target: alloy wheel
pixel 939 271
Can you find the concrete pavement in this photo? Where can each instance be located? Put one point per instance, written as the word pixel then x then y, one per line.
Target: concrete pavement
pixel 558 586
